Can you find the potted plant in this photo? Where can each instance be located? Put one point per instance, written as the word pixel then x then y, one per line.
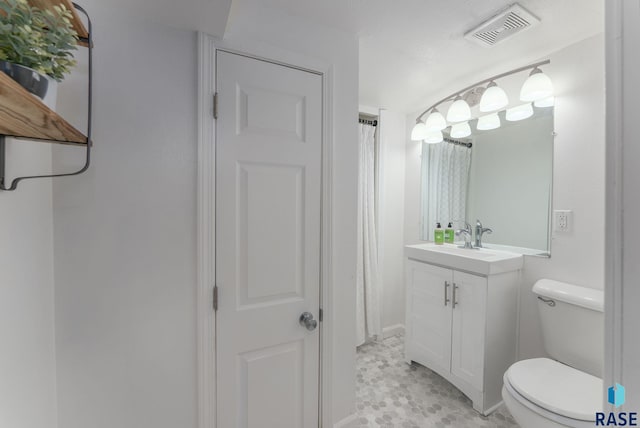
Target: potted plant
pixel 36 45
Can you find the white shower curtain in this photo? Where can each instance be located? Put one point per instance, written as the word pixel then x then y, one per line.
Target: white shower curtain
pixel 367 276
pixel 445 182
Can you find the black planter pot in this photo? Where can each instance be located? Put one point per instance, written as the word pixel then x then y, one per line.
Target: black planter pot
pixel 28 78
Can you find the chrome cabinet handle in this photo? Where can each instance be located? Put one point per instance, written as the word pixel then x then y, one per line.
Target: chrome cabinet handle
pixel 455 301
pixel 307 321
pixel 446 292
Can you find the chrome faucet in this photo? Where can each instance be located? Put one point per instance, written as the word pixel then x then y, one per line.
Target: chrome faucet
pixel 466 232
pixel 479 232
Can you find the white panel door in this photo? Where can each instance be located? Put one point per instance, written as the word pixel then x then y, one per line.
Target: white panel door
pixel 268 194
pixel 468 332
pixel 429 315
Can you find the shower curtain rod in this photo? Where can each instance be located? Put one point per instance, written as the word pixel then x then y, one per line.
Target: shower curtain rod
pixel 458 143
pixel 368 122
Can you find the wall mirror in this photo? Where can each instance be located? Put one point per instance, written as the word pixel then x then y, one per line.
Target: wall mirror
pixel 503 177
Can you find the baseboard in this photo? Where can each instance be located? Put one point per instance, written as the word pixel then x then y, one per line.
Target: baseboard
pixel 393 330
pixel 346 421
pixel 493 408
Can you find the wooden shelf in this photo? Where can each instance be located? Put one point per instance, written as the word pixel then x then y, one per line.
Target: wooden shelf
pixel 77 23
pixel 23 115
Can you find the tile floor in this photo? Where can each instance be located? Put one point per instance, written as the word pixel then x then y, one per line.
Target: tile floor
pixel 392 394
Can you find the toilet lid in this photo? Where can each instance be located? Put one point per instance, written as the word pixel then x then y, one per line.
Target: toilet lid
pixel 557 387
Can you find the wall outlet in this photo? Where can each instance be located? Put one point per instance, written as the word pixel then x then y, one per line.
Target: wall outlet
pixel 563 220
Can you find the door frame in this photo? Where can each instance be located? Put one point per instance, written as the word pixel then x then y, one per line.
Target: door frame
pixel 619 28
pixel 206 239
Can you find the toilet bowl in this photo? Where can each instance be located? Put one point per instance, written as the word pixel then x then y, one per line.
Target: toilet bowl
pixel 543 393
pixel 565 390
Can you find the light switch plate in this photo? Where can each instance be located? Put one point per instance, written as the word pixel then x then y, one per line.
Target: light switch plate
pixel 563 220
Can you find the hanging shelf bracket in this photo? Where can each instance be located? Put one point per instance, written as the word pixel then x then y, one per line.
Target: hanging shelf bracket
pixel 10 186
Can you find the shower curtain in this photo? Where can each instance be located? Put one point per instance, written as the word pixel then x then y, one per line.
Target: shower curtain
pixel 367 276
pixel 445 182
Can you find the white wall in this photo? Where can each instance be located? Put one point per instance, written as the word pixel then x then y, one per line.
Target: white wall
pixel 27 356
pixel 125 233
pixel 577 257
pixel 391 218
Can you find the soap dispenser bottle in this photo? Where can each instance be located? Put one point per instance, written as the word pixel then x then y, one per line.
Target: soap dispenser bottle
pixel 438 235
pixel 449 234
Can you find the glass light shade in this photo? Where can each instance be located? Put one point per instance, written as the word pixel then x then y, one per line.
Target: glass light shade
pixel 536 87
pixel 545 102
pixel 419 132
pixel 460 130
pixel 493 98
pixel 488 122
pixel 519 112
pixel 434 137
pixel 435 121
pixel 459 111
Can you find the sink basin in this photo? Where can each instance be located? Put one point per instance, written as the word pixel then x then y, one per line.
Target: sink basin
pixel 481 261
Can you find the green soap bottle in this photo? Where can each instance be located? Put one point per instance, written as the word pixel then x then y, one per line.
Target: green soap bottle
pixel 449 234
pixel 439 235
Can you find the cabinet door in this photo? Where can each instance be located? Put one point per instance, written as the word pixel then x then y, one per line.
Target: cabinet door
pixel 428 321
pixel 468 330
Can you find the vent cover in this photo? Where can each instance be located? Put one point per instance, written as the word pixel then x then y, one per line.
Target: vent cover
pixel 502 26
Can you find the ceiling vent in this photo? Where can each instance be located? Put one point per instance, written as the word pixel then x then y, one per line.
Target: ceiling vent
pixel 502 26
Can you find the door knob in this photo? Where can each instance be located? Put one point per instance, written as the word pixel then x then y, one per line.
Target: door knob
pixel 306 320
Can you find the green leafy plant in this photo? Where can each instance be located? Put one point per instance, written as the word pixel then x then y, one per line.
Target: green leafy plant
pixel 43 40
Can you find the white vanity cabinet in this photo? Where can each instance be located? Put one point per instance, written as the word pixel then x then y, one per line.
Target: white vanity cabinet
pixel 462 325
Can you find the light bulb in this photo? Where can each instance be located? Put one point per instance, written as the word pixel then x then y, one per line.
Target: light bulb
pixel 537 86
pixel 435 121
pixel 488 122
pixel 493 98
pixel 519 112
pixel 460 130
pixel 545 102
pixel 419 132
pixel 459 111
pixel 434 137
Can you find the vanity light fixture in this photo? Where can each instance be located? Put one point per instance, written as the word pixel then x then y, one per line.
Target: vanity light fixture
pixel 519 112
pixel 435 121
pixel 419 131
pixel 536 87
pixel 460 130
pixel 545 102
pixel 494 98
pixel 434 137
pixel 488 122
pixel 459 111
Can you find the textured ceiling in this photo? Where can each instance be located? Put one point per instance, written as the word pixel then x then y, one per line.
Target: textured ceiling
pixel 413 50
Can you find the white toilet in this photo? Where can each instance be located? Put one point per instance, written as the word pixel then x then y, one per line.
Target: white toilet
pixel 565 391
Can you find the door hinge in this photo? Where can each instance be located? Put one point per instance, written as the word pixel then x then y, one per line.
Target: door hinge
pixel 215 298
pixel 320 315
pixel 215 105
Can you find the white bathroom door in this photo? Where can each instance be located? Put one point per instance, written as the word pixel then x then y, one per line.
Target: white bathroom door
pixel 268 237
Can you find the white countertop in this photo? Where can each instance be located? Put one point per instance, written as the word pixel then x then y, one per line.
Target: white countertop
pixel 482 261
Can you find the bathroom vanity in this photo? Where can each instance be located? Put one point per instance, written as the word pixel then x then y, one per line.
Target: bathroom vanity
pixel 462 316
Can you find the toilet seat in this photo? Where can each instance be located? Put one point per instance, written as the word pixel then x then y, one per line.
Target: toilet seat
pixel 562 392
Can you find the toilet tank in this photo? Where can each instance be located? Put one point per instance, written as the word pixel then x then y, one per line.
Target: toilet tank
pixel 572 320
